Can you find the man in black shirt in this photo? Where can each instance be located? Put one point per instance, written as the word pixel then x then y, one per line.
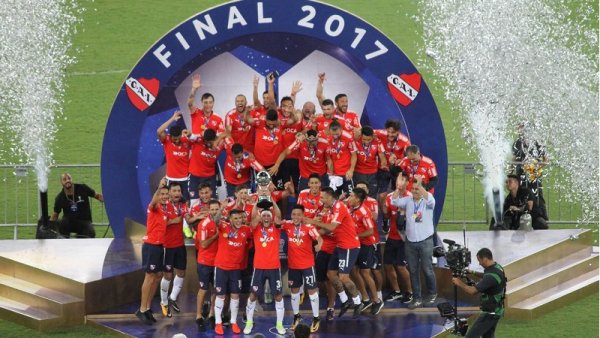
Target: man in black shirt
pixel 492 288
pixel 519 201
pixel 74 202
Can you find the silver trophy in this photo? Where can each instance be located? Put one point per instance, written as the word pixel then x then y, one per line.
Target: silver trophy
pixel 263 179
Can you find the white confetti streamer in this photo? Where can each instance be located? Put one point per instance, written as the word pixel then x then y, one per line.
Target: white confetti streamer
pixel 505 62
pixel 35 41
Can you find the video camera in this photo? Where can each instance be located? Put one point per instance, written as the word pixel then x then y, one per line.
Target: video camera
pixel 458 258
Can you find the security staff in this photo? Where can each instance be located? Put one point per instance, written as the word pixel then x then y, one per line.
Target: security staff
pixel 492 288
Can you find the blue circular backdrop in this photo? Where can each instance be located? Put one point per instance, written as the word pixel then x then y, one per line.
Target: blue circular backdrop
pixel 236 40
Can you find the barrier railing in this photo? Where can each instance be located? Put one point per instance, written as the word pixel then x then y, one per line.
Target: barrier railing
pixel 464 202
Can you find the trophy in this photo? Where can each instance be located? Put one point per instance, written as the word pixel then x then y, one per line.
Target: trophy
pixel 263 179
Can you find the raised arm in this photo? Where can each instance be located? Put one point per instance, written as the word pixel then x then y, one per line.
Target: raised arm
pixel 255 97
pixel 156 197
pixel 195 86
pixel 320 96
pixel 296 88
pixel 161 131
pixel 271 91
pixel 275 168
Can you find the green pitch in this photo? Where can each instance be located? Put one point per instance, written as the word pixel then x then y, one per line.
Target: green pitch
pixel 114 34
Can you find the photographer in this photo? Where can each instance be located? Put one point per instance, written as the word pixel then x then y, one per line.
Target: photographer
pixel 74 202
pixel 518 202
pixel 493 289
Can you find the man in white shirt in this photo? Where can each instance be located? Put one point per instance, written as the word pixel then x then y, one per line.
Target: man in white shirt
pixel 419 240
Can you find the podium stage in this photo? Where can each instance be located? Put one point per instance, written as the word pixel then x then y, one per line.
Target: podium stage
pixel 54 283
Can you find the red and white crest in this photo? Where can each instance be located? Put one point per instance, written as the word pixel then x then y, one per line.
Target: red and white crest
pixel 142 93
pixel 404 88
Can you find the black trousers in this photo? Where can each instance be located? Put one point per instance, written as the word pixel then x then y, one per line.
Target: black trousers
pixel 484 326
pixel 83 229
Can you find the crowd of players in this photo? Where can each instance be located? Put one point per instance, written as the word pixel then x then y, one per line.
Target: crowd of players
pixel 343 176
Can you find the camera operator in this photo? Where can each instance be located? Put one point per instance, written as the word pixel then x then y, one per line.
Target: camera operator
pixel 492 288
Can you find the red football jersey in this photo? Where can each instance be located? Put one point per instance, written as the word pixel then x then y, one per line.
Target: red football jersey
pixel 203 162
pixel 311 160
pixel 329 242
pixel 425 167
pixel 340 151
pixel 178 158
pixel 200 122
pixel 266 247
pixel 237 173
pixel 207 229
pixel 311 203
pixel 324 122
pixel 373 206
pixel 364 221
pixel 156 224
pixel 392 211
pixel 350 119
pixel 396 147
pixel 268 144
pixel 242 132
pixel 300 244
pixel 246 208
pixel 174 233
pixel 307 124
pixel 288 133
pixel 345 232
pixel 232 246
pixel 367 156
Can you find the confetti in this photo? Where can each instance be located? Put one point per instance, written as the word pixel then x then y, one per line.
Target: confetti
pixel 505 62
pixel 35 42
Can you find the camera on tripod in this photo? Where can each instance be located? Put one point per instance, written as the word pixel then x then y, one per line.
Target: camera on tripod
pixel 458 258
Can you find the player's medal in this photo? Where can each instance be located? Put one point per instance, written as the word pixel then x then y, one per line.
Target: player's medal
pixel 239 175
pixel 338 147
pixel 272 132
pixel 297 233
pixel 264 237
pixel 225 235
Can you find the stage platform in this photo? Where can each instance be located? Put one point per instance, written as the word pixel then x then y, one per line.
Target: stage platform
pixel 46 284
pixel 395 320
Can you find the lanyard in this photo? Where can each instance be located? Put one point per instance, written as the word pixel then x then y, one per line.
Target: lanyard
pixel 206 121
pixel 367 153
pixel 265 236
pixel 338 146
pixel 232 233
pixel 297 228
pixel 272 132
pixel 393 145
pixel 417 206
pixel 241 119
pixel 414 168
pixel 313 152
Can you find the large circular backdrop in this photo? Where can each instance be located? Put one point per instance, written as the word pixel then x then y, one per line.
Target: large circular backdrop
pixel 230 44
